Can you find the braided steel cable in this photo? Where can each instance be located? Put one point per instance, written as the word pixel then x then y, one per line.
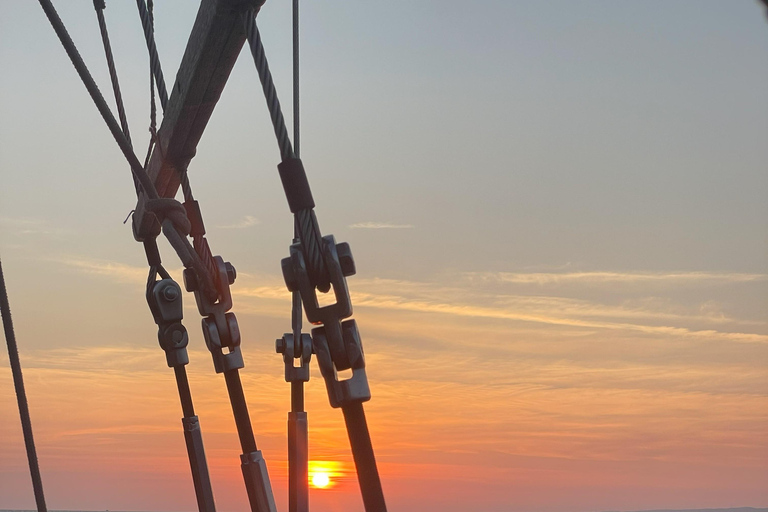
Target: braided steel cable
pixel 296 133
pixel 21 396
pixel 147 22
pixel 99 6
pixel 180 243
pixel 270 94
pixel 306 222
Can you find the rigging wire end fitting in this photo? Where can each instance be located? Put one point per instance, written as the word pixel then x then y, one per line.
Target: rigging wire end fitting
pixel 164 299
pixel 352 390
pixel 295 265
pixel 300 202
pixel 292 351
pixel 220 328
pixel 336 343
pixel 295 184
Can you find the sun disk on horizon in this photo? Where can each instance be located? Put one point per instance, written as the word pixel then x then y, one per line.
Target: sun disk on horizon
pixel 321 479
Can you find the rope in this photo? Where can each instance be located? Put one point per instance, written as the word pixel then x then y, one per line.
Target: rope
pixel 296 310
pixel 296 78
pixel 99 6
pixel 147 22
pixel 180 244
pixel 21 395
pixel 273 103
pixel 305 220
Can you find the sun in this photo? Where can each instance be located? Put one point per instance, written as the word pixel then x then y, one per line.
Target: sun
pixel 326 474
pixel 321 479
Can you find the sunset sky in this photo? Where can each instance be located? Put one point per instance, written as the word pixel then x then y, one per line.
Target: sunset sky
pixel 558 214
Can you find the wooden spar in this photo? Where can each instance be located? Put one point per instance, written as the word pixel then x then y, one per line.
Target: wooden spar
pixel 214 44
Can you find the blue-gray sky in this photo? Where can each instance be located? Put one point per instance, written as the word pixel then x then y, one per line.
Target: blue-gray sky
pixel 558 215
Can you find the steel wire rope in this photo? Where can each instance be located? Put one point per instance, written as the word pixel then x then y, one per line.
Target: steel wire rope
pixel 179 242
pixel 99 6
pixel 298 435
pixel 296 311
pixel 21 395
pixel 306 221
pixel 147 23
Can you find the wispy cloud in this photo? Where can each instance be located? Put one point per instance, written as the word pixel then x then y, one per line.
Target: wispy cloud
pixel 380 225
pixel 30 226
pixel 118 272
pixel 546 278
pixel 658 318
pixel 246 222
pixel 553 316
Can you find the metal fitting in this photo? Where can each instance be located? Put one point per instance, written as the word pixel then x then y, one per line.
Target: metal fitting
pixel 220 328
pixel 354 389
pixel 190 279
pixel 164 300
pixel 292 351
pixel 346 260
pixel 231 273
pixel 297 279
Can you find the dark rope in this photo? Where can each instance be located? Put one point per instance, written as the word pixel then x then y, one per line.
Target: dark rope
pixel 98 99
pixel 311 238
pixel 21 395
pixel 296 78
pixel 180 244
pixel 147 22
pixel 296 311
pixel 273 103
pixel 99 6
pixel 306 222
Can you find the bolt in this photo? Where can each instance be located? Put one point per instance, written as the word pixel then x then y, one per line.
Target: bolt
pixel 170 293
pixel 190 280
pixel 289 275
pixel 177 337
pixel 231 272
pixel 346 261
pixel 280 345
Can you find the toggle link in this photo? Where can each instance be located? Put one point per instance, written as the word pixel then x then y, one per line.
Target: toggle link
pixel 338 258
pixel 220 328
pixel 337 344
pixel 354 389
pixel 292 351
pixel 297 278
pixel 164 300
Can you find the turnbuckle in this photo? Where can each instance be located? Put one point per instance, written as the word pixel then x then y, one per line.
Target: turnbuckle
pixel 164 299
pixel 336 343
pixel 220 328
